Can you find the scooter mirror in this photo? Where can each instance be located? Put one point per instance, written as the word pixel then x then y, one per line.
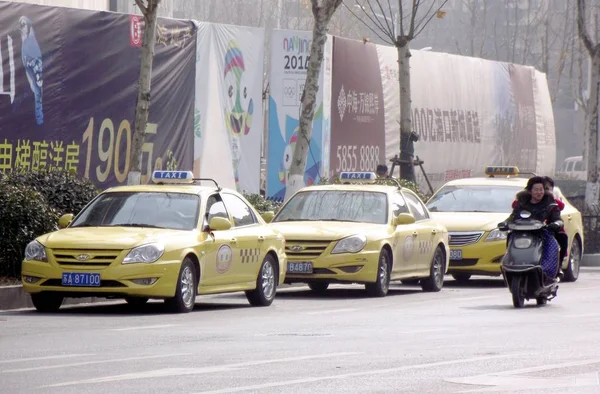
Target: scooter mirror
pixel 525 214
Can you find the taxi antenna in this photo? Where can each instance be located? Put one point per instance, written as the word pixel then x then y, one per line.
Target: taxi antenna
pixel 219 188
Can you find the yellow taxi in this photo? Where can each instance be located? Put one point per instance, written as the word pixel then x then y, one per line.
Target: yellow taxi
pixel 172 240
pixel 471 209
pixel 362 231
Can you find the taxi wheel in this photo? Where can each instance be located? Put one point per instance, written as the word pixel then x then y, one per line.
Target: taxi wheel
pixel 266 284
pixel 435 281
pixel 46 302
pixel 572 271
pixel 185 292
pixel 382 283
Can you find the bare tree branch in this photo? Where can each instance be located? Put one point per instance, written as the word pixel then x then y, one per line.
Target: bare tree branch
pixel 141 6
pixel 387 40
pixel 430 18
pixel 390 28
pixel 582 29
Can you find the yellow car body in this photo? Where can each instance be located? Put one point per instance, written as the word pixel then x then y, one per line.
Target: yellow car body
pixel 342 233
pixel 472 215
pixel 172 240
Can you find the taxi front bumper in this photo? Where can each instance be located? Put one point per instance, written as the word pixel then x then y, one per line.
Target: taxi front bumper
pixel 358 267
pixel 116 280
pixel 481 258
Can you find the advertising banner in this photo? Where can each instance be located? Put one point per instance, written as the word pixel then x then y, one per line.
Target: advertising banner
pixel 358 121
pixel 469 113
pixel 68 91
pixel 290 54
pixel 229 124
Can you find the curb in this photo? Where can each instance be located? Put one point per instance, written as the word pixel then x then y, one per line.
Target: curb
pixel 14 297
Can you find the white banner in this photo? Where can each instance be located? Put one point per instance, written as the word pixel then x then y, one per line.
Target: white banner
pixel 470 113
pixel 290 54
pixel 228 127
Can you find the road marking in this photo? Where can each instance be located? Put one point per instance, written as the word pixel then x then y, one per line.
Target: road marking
pixel 20 360
pixel 356 374
pixel 330 311
pixel 114 360
pixel 165 372
pixel 144 327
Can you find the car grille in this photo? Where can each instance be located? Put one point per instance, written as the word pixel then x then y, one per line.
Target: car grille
pixel 305 250
pixel 464 238
pixel 76 258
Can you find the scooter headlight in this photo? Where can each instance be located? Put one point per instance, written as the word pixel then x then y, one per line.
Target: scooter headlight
pixel 522 243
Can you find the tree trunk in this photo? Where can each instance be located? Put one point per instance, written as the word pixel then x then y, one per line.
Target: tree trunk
pixel 143 101
pixel 407 147
pixel 593 184
pixel 322 16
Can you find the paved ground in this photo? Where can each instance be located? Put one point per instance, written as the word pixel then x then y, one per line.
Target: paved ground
pixel 463 339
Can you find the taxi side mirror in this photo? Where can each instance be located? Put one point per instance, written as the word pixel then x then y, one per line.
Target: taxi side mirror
pixel 219 224
pixel 404 218
pixel 64 220
pixel 268 216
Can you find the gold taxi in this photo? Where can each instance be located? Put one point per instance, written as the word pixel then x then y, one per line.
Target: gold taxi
pixel 170 240
pixel 471 209
pixel 367 233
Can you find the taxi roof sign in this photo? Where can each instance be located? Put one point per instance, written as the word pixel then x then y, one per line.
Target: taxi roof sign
pixel 173 177
pixel 502 171
pixel 356 175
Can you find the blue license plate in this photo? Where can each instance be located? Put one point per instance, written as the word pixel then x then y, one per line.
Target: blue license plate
pixel 455 254
pixel 301 267
pixel 83 279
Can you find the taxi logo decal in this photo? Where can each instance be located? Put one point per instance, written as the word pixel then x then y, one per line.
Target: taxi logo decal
pixel 83 257
pixel 409 246
pixel 250 255
pixel 297 248
pixel 224 258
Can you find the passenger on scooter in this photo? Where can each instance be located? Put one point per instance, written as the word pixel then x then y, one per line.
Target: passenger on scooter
pixel 540 203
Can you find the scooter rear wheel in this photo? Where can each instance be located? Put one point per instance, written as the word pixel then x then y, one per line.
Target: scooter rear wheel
pixel 517 295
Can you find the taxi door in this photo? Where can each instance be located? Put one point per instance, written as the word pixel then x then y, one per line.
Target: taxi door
pixel 218 250
pixel 405 240
pixel 249 237
pixel 425 233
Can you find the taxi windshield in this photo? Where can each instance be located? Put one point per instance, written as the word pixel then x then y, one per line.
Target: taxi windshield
pixel 336 205
pixel 177 211
pixel 489 198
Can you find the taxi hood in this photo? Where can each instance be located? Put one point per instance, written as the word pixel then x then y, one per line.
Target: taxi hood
pixel 106 237
pixel 469 221
pixel 325 230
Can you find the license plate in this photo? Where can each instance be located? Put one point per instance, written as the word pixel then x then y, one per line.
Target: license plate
pixel 300 268
pixel 80 279
pixel 455 254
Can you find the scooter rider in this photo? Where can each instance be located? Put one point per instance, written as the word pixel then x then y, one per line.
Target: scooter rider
pixel 540 203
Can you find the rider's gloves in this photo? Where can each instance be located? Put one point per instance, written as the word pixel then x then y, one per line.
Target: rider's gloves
pixel 553 226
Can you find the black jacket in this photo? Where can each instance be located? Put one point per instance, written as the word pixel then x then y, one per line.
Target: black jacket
pixel 546 210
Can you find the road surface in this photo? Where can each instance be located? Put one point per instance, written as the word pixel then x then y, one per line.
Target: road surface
pixel 466 338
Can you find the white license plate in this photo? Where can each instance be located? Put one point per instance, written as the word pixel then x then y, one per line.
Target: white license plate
pixel 300 268
pixel 83 279
pixel 455 254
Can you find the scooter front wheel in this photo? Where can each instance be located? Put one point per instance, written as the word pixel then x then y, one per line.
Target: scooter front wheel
pixel 518 297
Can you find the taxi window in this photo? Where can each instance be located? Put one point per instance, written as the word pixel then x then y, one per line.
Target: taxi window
pixel 398 204
pixel 462 198
pixel 240 211
pixel 417 208
pixel 215 208
pixel 177 211
pixel 336 205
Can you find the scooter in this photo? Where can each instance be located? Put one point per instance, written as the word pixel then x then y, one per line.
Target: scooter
pixel 525 274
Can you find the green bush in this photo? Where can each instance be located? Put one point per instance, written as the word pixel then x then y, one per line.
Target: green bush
pixel 24 214
pixel 63 190
pixel 261 204
pixel 403 182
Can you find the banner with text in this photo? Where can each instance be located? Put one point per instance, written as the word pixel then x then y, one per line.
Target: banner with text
pixel 228 107
pixel 290 54
pixel 358 122
pixel 470 113
pixel 68 91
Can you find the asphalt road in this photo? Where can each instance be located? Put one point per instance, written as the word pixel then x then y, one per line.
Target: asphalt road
pixel 463 339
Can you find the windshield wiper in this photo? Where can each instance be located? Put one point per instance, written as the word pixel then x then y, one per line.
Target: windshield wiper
pixel 294 220
pixel 340 220
pixel 135 225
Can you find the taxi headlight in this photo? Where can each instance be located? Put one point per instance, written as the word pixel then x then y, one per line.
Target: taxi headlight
pixel 351 244
pixel 496 235
pixel 35 251
pixel 144 254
